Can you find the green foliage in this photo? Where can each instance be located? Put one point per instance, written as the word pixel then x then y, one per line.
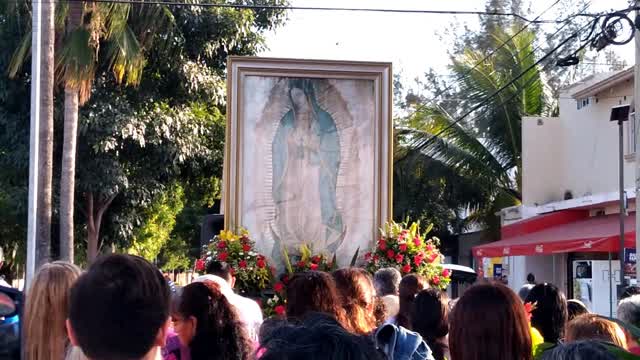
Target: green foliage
pixel 149 239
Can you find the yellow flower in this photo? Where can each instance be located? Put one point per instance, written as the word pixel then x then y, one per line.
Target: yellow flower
pixel 227 235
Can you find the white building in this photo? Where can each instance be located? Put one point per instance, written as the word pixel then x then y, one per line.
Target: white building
pixel 570 183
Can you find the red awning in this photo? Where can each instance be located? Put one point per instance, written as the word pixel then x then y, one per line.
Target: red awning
pixel 594 234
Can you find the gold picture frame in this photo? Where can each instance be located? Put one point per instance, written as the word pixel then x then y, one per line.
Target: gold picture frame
pixel 308 153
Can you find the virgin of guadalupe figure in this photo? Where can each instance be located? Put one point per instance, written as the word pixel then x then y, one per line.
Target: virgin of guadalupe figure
pixel 306 161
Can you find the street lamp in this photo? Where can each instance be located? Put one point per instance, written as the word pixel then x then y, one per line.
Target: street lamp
pixel 620 114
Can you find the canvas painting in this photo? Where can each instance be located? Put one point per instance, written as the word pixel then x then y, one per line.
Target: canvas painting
pixel 307 160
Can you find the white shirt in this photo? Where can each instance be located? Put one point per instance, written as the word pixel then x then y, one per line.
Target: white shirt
pixel 248 310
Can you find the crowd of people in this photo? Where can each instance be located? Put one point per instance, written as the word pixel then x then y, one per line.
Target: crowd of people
pixel 122 308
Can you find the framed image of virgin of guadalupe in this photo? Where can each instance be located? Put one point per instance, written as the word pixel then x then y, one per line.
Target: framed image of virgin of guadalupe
pixel 308 155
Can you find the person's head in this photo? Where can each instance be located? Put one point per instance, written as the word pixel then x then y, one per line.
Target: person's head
pixel 430 318
pixel 221 269
pixel 629 310
pixel 409 286
pixel 550 313
pixel 630 291
pixel 313 291
pixel 318 338
pixel 489 322
pixel 119 309
pixel 387 281
pixel 576 308
pixel 524 291
pixel 47 309
pixel 208 324
pixel 581 350
pixel 592 327
pixel 531 279
pixel 357 296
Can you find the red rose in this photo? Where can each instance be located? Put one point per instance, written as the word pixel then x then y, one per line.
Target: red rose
pixel 261 264
pixel 391 254
pixel 246 247
pixel 367 256
pixel 435 280
pixel 417 260
pixel 261 257
pixel 313 266
pixel 222 245
pixel 429 247
pixel 285 279
pixel 446 273
pixel 279 310
pixel 223 256
pixel 399 258
pixel 406 268
pixel 199 265
pixel 416 241
pixel 278 287
pixel 376 258
pixel 403 247
pixel 316 259
pixel 382 245
pixel 433 257
pixel 242 264
pixel 301 264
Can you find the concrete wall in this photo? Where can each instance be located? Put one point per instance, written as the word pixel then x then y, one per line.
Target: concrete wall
pixel 577 152
pixel 546 268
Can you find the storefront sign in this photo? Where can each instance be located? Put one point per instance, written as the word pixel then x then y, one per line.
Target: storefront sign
pixel 630 262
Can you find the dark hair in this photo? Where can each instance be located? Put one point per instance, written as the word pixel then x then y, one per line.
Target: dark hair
pixel 531 279
pixel 629 291
pixel 220 269
pixel 314 291
pixel 550 313
pixel 578 351
pixel 409 286
pixel 118 307
pixel 268 326
pixel 430 318
pixel 219 332
pixel 576 308
pixel 386 281
pixel 357 296
pixel 489 322
pixel 319 337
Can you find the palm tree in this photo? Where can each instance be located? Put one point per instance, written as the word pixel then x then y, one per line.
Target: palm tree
pixel 94 35
pixel 485 147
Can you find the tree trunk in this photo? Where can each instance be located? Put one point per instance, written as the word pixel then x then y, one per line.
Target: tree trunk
pixel 43 222
pixel 95 211
pixel 68 173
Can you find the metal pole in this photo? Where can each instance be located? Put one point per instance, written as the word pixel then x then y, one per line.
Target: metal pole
pixel 636 101
pixel 34 138
pixel 623 210
pixel 610 286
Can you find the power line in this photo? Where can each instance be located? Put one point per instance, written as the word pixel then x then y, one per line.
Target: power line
pixel 498 91
pixel 312 8
pixel 491 53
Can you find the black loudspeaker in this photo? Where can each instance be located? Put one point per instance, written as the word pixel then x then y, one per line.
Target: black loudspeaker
pixel 211 226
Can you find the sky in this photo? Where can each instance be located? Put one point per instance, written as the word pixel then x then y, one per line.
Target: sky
pixel 411 42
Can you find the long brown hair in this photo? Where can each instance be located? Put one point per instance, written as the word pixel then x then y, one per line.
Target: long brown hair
pixel 489 322
pixel 430 318
pixel 410 285
pixel 357 295
pixel 46 311
pixel 219 331
pixel 314 291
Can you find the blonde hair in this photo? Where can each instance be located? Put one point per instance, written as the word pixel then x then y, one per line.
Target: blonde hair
pixel 593 327
pixel 46 311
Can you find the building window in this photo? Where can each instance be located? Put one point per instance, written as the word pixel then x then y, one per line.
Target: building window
pixel 584 102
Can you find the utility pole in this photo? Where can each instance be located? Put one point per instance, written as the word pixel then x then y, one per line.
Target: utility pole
pixel 636 101
pixel 34 138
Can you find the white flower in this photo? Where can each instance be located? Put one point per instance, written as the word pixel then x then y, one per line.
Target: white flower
pixel 275 298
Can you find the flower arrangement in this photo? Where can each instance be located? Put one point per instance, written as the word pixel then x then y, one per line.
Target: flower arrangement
pixel 408 251
pixel 251 269
pixel 276 304
pixel 309 261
